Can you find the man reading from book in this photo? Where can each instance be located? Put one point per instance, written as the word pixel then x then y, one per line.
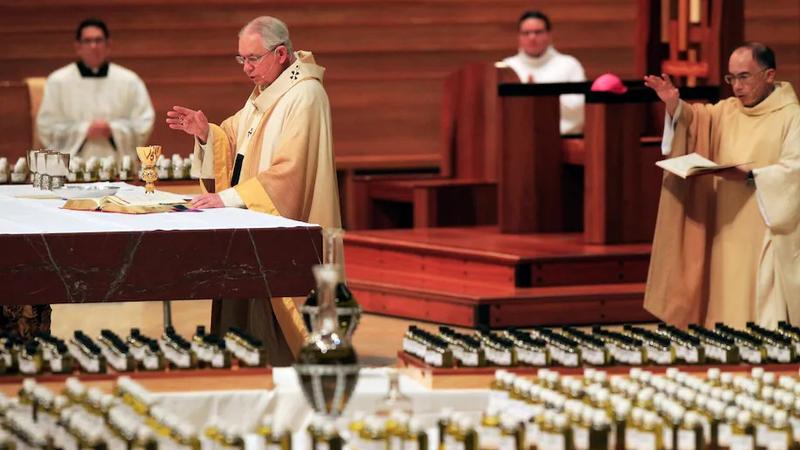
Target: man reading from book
pixel 274 156
pixel 727 245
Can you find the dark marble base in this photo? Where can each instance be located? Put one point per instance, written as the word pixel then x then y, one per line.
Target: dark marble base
pixel 158 265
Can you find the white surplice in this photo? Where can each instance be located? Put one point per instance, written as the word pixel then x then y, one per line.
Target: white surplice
pixel 71 102
pixel 554 67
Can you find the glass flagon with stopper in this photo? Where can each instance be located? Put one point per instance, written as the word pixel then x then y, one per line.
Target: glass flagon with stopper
pixel 347 308
pixel 327 365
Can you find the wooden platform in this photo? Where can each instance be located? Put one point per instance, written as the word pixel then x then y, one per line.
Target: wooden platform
pixel 478 277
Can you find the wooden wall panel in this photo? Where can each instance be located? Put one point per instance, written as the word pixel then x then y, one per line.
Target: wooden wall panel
pixel 385 59
pixel 366 65
pixel 15 126
pixel 380 51
pixel 155 14
pixel 397 123
pixel 777 24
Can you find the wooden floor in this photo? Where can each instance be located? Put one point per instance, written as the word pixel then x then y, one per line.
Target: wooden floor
pixel 377 338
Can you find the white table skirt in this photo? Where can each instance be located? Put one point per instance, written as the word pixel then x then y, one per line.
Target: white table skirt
pixel 244 409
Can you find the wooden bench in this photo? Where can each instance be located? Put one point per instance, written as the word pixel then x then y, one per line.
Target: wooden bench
pixel 474 126
pixel 463 190
pixel 620 181
pixel 613 197
pixel 434 202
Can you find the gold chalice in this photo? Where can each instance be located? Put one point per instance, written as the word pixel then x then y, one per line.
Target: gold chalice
pixel 148 156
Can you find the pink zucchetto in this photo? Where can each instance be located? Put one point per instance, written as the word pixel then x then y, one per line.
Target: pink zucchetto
pixel 608 82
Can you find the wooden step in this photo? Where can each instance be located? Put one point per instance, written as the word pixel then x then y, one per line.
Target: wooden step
pixel 562 305
pixel 454 256
pixel 475 276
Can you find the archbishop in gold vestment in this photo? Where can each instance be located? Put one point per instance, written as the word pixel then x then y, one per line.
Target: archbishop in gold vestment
pixel 282 136
pixel 728 251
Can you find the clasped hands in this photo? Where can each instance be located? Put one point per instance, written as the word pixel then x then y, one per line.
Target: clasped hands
pixel 98 128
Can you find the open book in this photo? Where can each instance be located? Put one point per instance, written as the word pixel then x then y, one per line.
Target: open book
pixel 692 164
pixel 131 202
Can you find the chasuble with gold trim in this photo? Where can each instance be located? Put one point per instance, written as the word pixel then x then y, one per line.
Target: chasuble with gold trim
pixel 281 139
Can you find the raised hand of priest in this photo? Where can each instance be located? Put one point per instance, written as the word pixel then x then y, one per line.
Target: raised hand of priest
pixel 189 121
pixel 205 201
pixel 665 90
pixel 99 128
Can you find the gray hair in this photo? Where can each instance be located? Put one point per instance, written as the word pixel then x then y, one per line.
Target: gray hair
pixel 273 32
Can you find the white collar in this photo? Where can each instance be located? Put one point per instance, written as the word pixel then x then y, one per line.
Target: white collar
pixel 537 61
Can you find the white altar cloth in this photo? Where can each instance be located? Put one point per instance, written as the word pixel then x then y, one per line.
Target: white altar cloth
pixel 19 215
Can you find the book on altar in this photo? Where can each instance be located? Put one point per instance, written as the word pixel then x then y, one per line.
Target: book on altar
pixel 692 165
pixel 131 202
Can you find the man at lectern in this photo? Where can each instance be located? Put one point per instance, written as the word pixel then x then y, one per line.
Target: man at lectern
pixel 538 62
pixel 727 246
pixel 274 156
